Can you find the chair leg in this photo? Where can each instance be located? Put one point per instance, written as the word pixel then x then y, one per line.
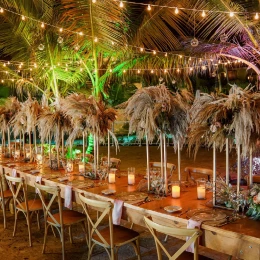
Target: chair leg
pixel 46 227
pixel 38 219
pixel 112 253
pixel 15 221
pixel 116 253
pixel 70 235
pixel 4 214
pixel 91 247
pixel 166 238
pixel 29 228
pixel 62 243
pixel 138 249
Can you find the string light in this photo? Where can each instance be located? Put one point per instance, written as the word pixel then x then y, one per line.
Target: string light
pixel 166 54
pixel 1 10
pixel 121 5
pixel 94 1
pixel 152 71
pixel 42 25
pixel 138 71
pixel 124 71
pixel 95 39
pixel 80 33
pixel 23 17
pixel 110 70
pixel 203 14
pixel 61 29
pixel 154 52
pixel 176 10
pixel 231 14
pixel 141 49
pixel 149 8
pixel 165 71
pixel 256 16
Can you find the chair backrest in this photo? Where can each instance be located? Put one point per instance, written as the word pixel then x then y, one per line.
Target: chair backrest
pixel 106 208
pixel 90 157
pixel 114 162
pixel 170 166
pixel 16 185
pixel 197 170
pixel 54 191
pixel 173 231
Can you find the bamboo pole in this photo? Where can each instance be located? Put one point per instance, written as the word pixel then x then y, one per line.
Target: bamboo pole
pixel 62 143
pixel 165 165
pixel 50 149
pixel 148 164
pixel 108 151
pixel 238 168
pixel 24 154
pixel 83 152
pixel 9 140
pixel 161 148
pixel 97 144
pixel 179 161
pixel 20 141
pixel 214 173
pixel 250 167
pixel 227 162
pixel 30 143
pixel 35 140
pixel 95 155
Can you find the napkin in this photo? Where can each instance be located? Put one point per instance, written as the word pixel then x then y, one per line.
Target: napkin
pixel 192 224
pixel 14 174
pixel 38 180
pixel 68 197
pixel 117 211
pixel 34 171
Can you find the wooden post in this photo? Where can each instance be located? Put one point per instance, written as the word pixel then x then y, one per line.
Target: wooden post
pixel 148 164
pixel 62 143
pixel 95 155
pixel 179 161
pixel 24 144
pixel 108 151
pixel 214 173
pixel 9 140
pixel 30 143
pixel 83 152
pixel 238 168
pixel 165 165
pixel 161 147
pixel 35 140
pixel 250 179
pixel 227 162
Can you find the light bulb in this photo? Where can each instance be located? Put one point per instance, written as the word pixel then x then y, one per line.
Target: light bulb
pixel 124 71
pixel 95 39
pixel 121 5
pixel 94 1
pixel 231 14
pixel 138 71
pixel 61 29
pixel 80 33
pixel 2 81
pixel 1 10
pixel 42 25
pixel 149 8
pixel 12 80
pixel 178 70
pixel 23 17
pixel 4 65
pixel 41 47
pixel 110 70
pixel 141 49
pixel 165 71
pixel 256 16
pixel 81 69
pixel 76 47
pixel 203 14
pixel 112 43
pixel 152 71
pixel 176 10
pixel 180 56
pixel 154 52
pixel 60 40
pixel 166 54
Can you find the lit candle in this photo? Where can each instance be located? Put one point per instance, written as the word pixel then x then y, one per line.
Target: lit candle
pixel 176 191
pixel 111 177
pixel 39 158
pixel 201 192
pixel 131 179
pixel 81 167
pixel 69 167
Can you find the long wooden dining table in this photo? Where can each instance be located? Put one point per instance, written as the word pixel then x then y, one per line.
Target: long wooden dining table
pixel 240 238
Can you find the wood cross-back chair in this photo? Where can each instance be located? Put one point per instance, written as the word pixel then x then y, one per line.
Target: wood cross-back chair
pixel 110 237
pixel 22 204
pixel 6 194
pixel 198 171
pixel 114 162
pixel 60 220
pixel 180 254
pixel 170 166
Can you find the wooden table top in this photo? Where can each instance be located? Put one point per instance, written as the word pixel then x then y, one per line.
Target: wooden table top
pixel 246 227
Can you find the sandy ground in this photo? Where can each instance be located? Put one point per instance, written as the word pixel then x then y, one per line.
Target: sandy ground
pixel 17 247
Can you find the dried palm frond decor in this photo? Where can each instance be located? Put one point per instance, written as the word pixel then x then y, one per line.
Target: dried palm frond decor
pixel 25 120
pixel 53 124
pixel 89 116
pixel 219 120
pixel 7 112
pixel 155 111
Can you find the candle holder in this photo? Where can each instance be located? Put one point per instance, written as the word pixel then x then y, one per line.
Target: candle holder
pixel 176 189
pixel 69 166
pixel 112 176
pixel 39 160
pixel 131 176
pixel 16 154
pixel 81 167
pixel 201 189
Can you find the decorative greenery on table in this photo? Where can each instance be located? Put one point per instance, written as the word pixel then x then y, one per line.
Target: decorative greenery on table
pixel 254 202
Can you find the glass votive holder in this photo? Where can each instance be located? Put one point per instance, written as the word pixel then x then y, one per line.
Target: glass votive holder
pixel 17 154
pixel 39 159
pixel 81 167
pixel 69 166
pixel 201 189
pixel 112 176
pixel 131 176
pixel 176 189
